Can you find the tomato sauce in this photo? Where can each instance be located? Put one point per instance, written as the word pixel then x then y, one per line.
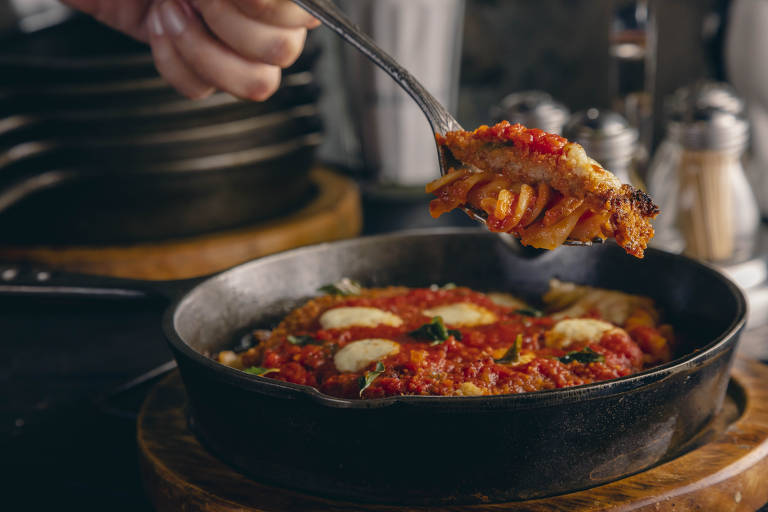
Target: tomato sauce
pixel 469 365
pixel 531 139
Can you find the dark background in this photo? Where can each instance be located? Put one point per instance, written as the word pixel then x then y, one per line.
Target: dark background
pixel 66 444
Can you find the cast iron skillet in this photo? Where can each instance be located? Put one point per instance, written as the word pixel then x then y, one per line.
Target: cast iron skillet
pixel 429 450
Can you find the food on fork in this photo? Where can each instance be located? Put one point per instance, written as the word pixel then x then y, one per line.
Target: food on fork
pixel 541 188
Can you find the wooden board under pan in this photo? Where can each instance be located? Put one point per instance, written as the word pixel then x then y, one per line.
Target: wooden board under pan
pixel 728 471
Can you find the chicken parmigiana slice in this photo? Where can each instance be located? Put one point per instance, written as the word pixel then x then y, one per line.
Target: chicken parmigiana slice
pixel 540 188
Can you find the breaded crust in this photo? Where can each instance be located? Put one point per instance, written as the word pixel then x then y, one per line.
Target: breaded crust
pixel 533 156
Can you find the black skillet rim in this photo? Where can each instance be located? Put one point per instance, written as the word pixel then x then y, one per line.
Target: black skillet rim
pixel 531 400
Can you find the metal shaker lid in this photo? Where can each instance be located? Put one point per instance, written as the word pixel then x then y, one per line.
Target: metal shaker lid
pixel 534 109
pixel 710 128
pixel 605 135
pixel 701 95
pixel 707 116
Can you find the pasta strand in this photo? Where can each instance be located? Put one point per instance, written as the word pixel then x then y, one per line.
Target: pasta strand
pixel 503 204
pixel 543 194
pixel 443 181
pixel 523 200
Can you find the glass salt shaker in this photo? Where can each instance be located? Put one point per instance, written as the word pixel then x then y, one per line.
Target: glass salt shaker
pixel 534 109
pixel 608 138
pixel 662 174
pixel 708 210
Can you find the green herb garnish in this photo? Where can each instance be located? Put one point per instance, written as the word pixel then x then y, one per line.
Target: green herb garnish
pixel 435 331
pixel 587 355
pixel 344 286
pixel 513 353
pixel 368 377
pixel 529 312
pixel 302 340
pixel 258 370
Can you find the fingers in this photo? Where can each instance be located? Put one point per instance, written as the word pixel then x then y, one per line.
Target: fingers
pixel 282 13
pixel 252 38
pixel 205 57
pixel 170 64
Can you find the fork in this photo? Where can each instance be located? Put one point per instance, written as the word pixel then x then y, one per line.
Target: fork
pixel 440 120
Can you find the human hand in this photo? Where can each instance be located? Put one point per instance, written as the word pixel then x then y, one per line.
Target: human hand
pixel 199 46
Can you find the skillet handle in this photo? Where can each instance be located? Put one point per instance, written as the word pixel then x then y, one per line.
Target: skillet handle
pixel 21 280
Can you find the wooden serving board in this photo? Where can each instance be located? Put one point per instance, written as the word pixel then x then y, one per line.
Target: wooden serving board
pixel 334 213
pixel 729 472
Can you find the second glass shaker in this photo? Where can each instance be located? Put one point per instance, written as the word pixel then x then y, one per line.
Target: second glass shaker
pixel 708 210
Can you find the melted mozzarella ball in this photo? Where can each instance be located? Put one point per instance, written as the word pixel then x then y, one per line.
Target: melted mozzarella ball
pixel 339 318
pixel 357 355
pixel 462 314
pixel 577 331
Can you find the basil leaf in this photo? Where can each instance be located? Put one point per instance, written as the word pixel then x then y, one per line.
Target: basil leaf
pixel 513 353
pixel 530 312
pixel 344 286
pixel 587 355
pixel 368 377
pixel 435 331
pixel 258 370
pixel 302 340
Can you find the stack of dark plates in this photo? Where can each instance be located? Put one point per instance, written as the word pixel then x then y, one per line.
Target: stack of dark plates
pixel 96 148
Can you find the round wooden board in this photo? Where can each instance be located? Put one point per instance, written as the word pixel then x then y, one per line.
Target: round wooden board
pixel 333 214
pixel 730 472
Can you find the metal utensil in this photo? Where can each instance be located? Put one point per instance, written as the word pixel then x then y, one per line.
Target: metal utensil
pixel 440 120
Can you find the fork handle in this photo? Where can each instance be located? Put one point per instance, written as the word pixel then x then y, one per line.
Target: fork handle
pixel 327 12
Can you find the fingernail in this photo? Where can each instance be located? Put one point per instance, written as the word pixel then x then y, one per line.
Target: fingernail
pixel 314 23
pixel 172 17
pixel 154 23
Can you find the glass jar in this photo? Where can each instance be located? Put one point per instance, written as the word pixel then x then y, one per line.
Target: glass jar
pixel 708 210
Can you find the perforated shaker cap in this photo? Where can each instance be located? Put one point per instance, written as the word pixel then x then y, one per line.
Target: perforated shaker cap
pixel 707 116
pixel 710 128
pixel 703 94
pixel 534 109
pixel 605 135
